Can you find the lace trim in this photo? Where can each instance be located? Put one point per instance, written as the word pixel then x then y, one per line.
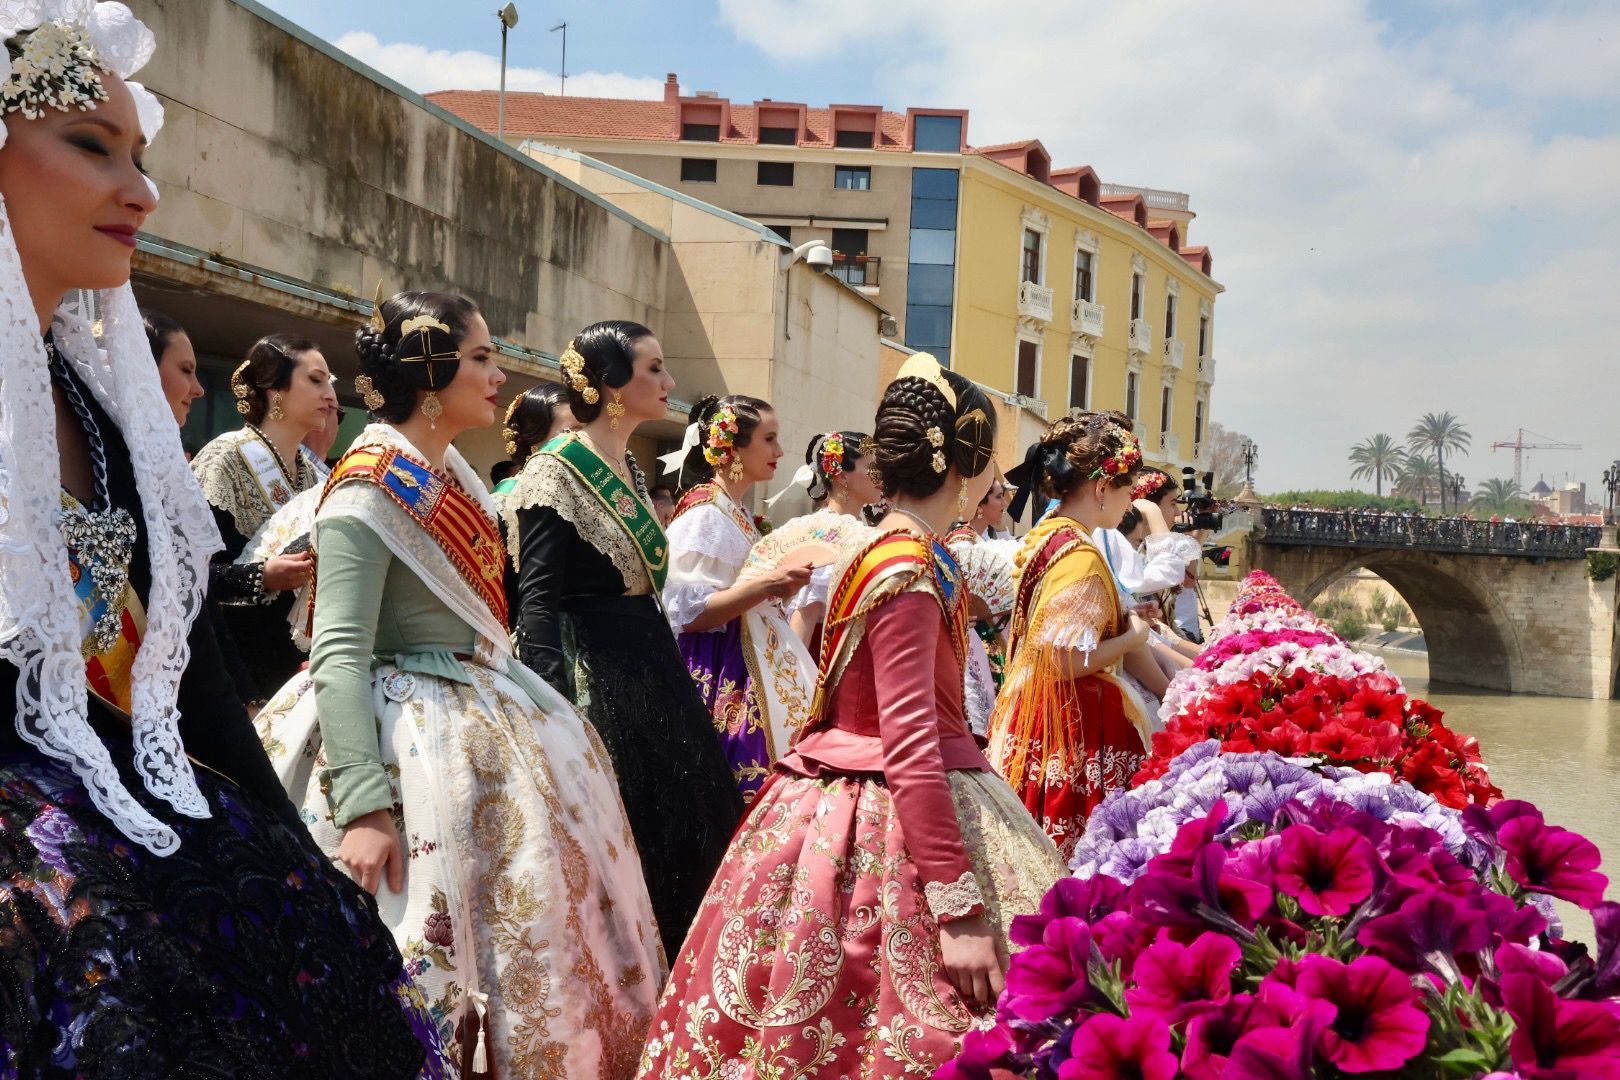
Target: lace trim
pixel 954 899
pixel 547 482
pixel 229 484
pixel 1076 617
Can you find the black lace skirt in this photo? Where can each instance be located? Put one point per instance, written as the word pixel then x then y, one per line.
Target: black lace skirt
pixel 244 954
pixel 683 805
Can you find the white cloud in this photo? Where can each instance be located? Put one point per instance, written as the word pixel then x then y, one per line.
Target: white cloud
pixel 426 70
pixel 1403 223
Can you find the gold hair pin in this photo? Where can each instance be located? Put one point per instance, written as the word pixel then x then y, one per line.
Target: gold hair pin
pixel 923 366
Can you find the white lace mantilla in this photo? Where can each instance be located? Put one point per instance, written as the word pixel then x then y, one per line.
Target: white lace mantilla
pixel 953 899
pixel 39 613
pixel 547 482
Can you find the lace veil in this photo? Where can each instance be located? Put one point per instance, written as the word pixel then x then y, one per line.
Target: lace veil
pixel 39 612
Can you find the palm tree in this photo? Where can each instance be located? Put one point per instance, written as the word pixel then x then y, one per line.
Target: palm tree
pixel 1499 498
pixel 1376 458
pixel 1418 473
pixel 1439 432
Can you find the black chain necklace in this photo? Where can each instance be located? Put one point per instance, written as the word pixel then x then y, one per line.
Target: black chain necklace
pixel 102 536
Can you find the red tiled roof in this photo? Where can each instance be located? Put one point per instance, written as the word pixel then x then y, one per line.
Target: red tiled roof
pixel 531 113
pixel 1166 232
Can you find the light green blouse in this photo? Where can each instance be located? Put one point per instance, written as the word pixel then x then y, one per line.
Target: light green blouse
pixel 370 609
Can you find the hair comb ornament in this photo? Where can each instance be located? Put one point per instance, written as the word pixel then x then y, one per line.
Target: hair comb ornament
pixel 573 365
pixel 923 366
pixel 240 388
pixel 369 394
pixel 377 322
pixel 58 68
pixel 975 443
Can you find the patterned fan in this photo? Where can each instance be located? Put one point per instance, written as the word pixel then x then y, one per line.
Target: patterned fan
pixel 293 522
pixel 813 540
pixel 987 571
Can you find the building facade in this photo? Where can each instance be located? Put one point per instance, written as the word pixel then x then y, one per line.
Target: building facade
pixel 979 254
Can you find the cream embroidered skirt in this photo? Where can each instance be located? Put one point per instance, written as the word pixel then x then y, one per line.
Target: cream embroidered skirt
pixel 522 881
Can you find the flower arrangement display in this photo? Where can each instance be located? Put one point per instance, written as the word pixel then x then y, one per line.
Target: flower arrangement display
pixel 1311 878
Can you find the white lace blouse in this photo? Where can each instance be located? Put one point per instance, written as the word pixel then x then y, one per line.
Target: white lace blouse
pixel 707 550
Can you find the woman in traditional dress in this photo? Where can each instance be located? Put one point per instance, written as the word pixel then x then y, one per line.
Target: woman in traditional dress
pixel 1064 732
pixel 591 558
pixel 176 361
pixel 284 391
pixel 164 913
pixel 534 418
pixel 450 779
pixel 859 924
pixel 836 474
pixel 752 671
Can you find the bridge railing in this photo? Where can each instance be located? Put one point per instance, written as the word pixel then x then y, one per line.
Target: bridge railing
pixel 1341 528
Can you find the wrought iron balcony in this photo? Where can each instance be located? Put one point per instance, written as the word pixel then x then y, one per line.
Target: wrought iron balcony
pixel 1141 336
pixel 1087 318
pixel 861 270
pixel 1362 529
pixel 1034 301
pixel 1206 370
pixel 1170 445
pixel 1174 353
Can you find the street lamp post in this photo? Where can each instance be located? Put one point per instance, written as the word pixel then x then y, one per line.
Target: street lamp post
pixel 509 18
pixel 1611 483
pixel 1251 454
pixel 1458 486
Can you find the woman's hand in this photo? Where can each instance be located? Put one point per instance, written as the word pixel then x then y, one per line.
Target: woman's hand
pixel 1153 514
pixel 783 582
pixel 370 849
pixel 1138 631
pixel 286 572
pixel 968 949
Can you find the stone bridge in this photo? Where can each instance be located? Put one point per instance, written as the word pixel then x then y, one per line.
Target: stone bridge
pixel 1504 606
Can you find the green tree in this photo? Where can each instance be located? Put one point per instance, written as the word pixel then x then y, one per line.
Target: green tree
pixel 1439 433
pixel 1376 458
pixel 1500 498
pixel 1418 476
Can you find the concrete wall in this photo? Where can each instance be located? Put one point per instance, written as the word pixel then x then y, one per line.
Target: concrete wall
pixel 1490 621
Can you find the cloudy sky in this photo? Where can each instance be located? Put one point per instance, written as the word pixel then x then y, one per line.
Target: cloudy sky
pixel 1414 206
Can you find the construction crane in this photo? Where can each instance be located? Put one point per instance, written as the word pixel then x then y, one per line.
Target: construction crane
pixel 1519 446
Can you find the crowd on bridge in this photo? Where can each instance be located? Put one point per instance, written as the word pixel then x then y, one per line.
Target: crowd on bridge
pixel 365 769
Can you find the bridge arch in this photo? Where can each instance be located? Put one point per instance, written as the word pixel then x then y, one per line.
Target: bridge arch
pixel 1472 638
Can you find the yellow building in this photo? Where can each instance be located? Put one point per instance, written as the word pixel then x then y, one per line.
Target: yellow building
pixel 1069 295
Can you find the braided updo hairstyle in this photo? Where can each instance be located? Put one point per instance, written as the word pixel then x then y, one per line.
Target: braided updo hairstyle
pixel 821 481
pixel 269 367
pixel 609 349
pixel 902 452
pixel 696 468
pixel 529 420
pixel 1076 447
pixel 394 361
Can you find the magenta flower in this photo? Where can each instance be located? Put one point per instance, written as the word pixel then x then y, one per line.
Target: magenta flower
pixel 1088 899
pixel 1108 1047
pixel 1213 1033
pixel 1557 1038
pixel 982 1051
pixel 1328 873
pixel 1175 981
pixel 1049 979
pixel 1429 931
pixel 1547 859
pixel 1606 921
pixel 1378 1025
pixel 1509 921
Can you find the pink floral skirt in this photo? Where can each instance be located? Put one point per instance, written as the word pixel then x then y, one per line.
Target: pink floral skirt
pixel 814 952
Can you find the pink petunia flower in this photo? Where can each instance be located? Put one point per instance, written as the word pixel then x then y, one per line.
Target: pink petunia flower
pixel 1108 1047
pixel 1175 981
pixel 1379 1024
pixel 1327 873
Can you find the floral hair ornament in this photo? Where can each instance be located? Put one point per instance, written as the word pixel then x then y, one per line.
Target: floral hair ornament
pixel 1149 484
pixel 1121 461
pixel 830 455
pixel 62 50
pixel 573 365
pixel 720 443
pixel 240 389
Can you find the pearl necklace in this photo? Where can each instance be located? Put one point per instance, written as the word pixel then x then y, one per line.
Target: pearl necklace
pixel 928 530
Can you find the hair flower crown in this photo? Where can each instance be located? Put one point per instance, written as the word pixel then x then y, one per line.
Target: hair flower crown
pixel 1149 485
pixel 1123 460
pixel 831 455
pixel 721 440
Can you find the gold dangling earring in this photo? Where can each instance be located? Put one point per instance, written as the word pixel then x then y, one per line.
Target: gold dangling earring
pixel 432 409
pixel 275 409
pixel 615 409
pixel 736 470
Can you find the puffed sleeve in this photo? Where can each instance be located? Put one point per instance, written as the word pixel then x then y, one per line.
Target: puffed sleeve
pixel 543 540
pixel 1167 557
pixel 706 553
pixel 348 600
pixel 906 633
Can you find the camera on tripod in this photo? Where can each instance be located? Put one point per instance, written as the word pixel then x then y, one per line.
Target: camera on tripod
pixel 1203 512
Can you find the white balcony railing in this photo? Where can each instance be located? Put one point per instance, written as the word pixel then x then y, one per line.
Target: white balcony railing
pixel 1170 445
pixel 1087 318
pixel 1206 370
pixel 1035 301
pixel 1141 336
pixel 1174 353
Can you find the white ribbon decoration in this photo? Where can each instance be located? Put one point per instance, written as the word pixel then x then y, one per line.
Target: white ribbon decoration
pixel 673 460
pixel 803 477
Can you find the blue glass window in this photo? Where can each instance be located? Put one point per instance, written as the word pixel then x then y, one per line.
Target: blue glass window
pixel 933 213
pixel 938 134
pixel 934 183
pixel 929 284
pixel 935 246
pixel 927 326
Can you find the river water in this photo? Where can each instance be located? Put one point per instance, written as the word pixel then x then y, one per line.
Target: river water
pixel 1563 754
